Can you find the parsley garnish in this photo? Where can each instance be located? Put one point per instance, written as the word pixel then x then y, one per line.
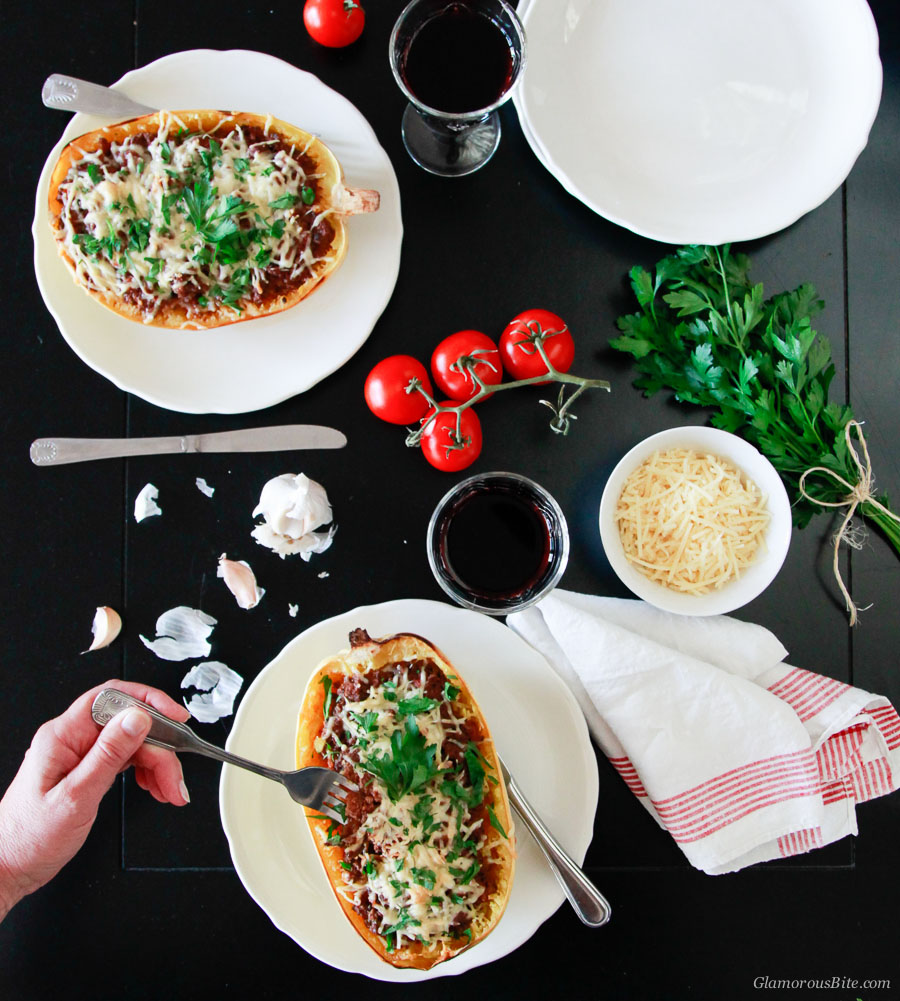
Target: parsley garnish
pixel 213 224
pixel 94 173
pixel 450 692
pixel 139 234
pixel 367 722
pixel 410 764
pixel 423 877
pixel 415 705
pixel 496 823
pixel 307 195
pixel 155 266
pixel 326 685
pixel 284 202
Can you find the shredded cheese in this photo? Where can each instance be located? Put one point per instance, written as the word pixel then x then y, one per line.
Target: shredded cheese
pixel 691 522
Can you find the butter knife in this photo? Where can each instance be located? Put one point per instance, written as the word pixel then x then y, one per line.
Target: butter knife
pixel 587 901
pixel 56 451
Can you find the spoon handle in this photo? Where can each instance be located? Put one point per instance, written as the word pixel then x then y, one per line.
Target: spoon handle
pixel 587 901
pixel 68 93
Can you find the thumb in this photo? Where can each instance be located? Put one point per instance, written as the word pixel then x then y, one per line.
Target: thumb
pixel 115 746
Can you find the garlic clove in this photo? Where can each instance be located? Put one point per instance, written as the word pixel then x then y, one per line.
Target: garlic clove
pixel 106 627
pixel 241 581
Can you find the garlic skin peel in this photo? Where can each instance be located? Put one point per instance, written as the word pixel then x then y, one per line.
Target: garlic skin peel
pixel 145 505
pixel 219 686
pixel 181 633
pixel 292 507
pixel 105 628
pixel 241 581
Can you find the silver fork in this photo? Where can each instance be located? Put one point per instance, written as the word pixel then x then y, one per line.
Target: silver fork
pixel 318 788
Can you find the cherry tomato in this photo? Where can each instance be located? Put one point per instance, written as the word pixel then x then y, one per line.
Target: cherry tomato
pixel 437 441
pixel 386 393
pixel 334 23
pixel 460 385
pixel 522 360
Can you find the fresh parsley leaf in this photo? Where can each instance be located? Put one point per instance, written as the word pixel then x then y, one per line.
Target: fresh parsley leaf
pixel 138 234
pixel 410 764
pixel 307 195
pixel 415 705
pixel 326 685
pixel 496 823
pixel 94 173
pixel 284 202
pixel 423 877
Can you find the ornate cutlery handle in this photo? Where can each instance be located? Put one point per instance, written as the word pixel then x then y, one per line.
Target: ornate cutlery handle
pixel 56 451
pixel 168 733
pixel 68 93
pixel 587 901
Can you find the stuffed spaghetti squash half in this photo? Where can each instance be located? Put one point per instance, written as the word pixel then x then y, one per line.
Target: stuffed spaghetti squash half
pixel 423 863
pixel 196 219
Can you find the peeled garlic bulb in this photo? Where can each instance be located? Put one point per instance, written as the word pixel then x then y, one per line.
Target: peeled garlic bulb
pixel 106 627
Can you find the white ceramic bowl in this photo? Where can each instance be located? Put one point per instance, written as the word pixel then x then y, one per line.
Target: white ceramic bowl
pixel 749 461
pixel 701 121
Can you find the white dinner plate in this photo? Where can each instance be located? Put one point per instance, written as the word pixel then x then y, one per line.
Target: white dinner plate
pixel 536 725
pixel 699 121
pixel 243 366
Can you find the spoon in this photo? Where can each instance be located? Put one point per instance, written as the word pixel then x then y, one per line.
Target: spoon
pixel 68 93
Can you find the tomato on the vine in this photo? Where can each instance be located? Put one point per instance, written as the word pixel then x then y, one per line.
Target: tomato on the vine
pixel 520 355
pixel 459 385
pixel 386 390
pixel 438 441
pixel 334 23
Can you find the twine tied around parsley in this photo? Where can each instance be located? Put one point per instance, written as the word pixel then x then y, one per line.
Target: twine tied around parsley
pixel 858 493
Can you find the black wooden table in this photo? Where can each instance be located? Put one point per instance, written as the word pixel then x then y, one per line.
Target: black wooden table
pixel 151 908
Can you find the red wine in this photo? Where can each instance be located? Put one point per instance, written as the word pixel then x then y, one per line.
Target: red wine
pixel 496 543
pixel 458 61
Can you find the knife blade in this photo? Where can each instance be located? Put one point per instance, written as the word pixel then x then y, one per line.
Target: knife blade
pixel 286 437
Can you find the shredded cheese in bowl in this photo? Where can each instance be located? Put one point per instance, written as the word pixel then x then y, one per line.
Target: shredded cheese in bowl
pixel 691 521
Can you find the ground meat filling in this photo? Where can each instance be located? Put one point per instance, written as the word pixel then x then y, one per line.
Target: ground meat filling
pixel 270 248
pixel 461 842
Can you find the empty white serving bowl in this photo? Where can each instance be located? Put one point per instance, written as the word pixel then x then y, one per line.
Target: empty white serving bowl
pixel 756 578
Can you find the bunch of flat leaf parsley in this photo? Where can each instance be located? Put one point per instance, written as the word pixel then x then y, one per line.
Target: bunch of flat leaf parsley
pixel 706 333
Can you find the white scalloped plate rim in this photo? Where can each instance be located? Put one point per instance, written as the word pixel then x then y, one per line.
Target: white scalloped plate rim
pixel 744 221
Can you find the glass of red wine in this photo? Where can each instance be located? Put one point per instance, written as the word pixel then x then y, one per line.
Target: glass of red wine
pixel 497 543
pixel 456 61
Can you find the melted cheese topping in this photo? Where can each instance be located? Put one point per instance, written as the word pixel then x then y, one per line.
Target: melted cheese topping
pixel 690 522
pixel 192 214
pixel 413 860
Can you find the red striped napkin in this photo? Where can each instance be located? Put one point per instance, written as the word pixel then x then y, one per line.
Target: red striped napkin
pixel 741 757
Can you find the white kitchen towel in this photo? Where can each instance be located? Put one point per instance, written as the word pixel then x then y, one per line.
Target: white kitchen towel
pixel 741 757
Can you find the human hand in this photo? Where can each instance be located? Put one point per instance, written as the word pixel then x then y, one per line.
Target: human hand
pixel 52 802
